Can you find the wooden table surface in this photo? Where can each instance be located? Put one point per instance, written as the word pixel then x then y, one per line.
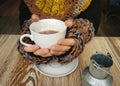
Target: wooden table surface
pixel 17 71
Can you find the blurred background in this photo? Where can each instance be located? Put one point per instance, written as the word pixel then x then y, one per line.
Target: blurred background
pixel 109 26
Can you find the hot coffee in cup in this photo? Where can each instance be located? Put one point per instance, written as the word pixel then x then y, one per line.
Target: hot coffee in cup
pixel 46 32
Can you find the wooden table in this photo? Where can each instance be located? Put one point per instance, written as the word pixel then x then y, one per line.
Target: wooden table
pixel 17 71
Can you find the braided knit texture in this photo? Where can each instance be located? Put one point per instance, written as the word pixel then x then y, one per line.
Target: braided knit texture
pixel 59 9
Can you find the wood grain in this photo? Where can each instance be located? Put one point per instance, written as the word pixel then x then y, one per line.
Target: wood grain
pixel 15 70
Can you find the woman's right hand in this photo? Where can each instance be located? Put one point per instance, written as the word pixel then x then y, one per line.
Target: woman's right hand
pixel 44 52
pixel 35 48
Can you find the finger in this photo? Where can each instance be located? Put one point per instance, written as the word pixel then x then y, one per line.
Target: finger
pixel 67 42
pixel 60 48
pixel 69 23
pixel 34 18
pixel 31 48
pixel 56 52
pixel 43 52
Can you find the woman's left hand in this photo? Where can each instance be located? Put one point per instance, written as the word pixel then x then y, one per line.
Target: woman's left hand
pixel 62 46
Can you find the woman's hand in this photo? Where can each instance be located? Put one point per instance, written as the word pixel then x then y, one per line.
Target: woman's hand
pixel 35 48
pixel 61 47
pixel 44 52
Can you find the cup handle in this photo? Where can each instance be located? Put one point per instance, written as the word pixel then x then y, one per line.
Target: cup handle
pixel 26 35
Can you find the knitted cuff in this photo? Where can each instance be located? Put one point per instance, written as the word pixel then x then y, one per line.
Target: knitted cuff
pixel 29 55
pixel 85 28
pixel 74 52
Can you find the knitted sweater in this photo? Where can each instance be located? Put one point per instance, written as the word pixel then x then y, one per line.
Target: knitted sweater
pixel 82 30
pixel 60 9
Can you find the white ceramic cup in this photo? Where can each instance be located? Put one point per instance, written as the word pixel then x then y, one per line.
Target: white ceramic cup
pixel 45 40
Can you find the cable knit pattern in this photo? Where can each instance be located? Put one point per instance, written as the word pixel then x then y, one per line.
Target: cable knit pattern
pixel 59 9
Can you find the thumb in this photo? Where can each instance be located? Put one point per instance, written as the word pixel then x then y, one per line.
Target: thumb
pixel 34 18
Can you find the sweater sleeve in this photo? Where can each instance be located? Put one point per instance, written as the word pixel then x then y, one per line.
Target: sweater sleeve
pixel 82 32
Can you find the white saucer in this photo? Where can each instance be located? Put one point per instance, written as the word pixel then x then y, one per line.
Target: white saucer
pixel 55 69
